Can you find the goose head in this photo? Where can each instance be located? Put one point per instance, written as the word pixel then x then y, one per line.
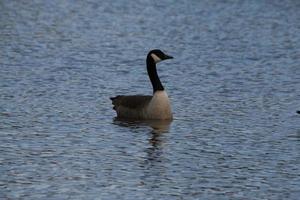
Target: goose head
pixel 157 55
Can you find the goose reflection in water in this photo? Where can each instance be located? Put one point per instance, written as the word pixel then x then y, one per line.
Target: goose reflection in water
pixel 155 163
pixel 158 126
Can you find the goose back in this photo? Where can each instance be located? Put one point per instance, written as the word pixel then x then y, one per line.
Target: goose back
pixel 132 106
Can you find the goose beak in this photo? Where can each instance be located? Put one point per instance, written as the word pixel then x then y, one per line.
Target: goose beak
pixel 168 57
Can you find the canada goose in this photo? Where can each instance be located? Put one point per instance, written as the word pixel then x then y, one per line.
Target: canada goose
pixel 144 107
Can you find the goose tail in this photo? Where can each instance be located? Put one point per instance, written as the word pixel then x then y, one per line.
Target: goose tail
pixel 114 101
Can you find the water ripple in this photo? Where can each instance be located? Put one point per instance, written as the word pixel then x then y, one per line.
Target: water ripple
pixel 234 85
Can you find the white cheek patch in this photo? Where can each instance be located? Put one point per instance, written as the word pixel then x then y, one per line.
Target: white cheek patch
pixel 155 58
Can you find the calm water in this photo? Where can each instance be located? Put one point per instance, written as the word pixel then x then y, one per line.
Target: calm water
pixel 234 86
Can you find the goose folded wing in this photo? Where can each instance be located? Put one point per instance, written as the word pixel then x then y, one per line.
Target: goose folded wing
pixel 132 102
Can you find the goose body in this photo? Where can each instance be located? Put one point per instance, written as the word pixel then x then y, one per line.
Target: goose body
pixel 142 107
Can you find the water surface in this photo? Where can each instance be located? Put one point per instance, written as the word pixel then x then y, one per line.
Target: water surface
pixel 234 86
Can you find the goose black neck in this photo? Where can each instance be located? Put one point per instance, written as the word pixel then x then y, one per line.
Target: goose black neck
pixel 152 73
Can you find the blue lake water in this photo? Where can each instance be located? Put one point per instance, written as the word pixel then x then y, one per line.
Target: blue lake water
pixel 234 86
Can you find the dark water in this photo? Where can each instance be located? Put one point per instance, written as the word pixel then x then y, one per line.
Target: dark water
pixel 234 86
